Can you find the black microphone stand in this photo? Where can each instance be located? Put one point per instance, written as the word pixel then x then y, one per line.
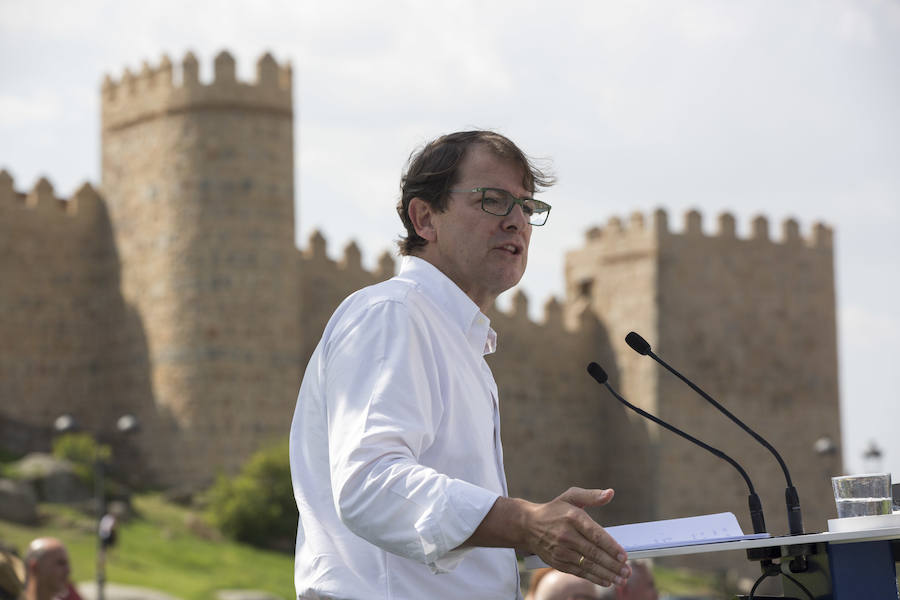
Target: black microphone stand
pixel 792 500
pixel 756 511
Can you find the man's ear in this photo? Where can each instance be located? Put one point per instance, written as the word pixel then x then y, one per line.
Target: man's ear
pixel 421 214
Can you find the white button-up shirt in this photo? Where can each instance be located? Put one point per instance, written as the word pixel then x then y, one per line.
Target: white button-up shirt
pixel 395 448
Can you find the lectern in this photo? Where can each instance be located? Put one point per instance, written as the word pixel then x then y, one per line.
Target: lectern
pixel 835 565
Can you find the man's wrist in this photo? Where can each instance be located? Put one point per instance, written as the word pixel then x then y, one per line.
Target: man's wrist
pixel 504 526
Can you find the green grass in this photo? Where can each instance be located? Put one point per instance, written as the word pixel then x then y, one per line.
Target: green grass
pixel 684 582
pixel 166 547
pixel 174 549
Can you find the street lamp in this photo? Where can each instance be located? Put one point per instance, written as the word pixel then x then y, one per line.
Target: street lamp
pixel 125 424
pixel 65 424
pixel 825 446
pixel 872 457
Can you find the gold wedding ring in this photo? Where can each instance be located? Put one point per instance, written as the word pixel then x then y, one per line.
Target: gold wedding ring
pixel 581 561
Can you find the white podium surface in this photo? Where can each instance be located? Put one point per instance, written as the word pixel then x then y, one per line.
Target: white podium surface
pixel 831 537
pixel 855 565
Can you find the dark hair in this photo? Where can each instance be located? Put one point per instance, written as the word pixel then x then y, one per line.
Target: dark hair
pixel 433 169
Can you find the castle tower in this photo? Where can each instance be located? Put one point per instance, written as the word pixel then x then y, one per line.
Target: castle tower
pixel 199 183
pixel 752 321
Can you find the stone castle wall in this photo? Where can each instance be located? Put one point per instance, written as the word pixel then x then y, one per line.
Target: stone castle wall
pixel 762 339
pixel 612 277
pixel 752 321
pixel 559 429
pixel 70 341
pixel 177 293
pixel 324 283
pixel 43 288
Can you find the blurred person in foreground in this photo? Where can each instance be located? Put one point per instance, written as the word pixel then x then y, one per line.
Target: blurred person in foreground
pixel 12 573
pixel 396 458
pixel 534 578
pixel 556 585
pixel 641 585
pixel 47 570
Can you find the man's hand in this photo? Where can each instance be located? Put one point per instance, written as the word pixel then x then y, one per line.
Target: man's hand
pixel 560 532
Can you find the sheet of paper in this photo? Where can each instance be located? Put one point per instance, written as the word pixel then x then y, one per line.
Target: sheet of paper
pixel 687 531
pixel 702 529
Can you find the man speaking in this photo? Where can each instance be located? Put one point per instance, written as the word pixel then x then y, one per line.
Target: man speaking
pixel 396 458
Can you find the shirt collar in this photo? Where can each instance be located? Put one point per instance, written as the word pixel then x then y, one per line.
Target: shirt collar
pixel 441 290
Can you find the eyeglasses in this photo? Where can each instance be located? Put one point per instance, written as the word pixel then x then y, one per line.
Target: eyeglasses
pixel 499 202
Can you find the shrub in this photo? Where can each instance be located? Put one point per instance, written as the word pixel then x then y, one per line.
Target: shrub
pixel 257 505
pixel 81 450
pixel 7 457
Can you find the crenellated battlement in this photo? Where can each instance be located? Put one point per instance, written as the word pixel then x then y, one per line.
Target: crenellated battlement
pixel 316 252
pixel 637 228
pixel 159 90
pixel 315 256
pixel 551 318
pixel 41 200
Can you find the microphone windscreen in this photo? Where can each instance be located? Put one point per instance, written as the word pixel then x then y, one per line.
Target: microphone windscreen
pixel 637 343
pixel 597 372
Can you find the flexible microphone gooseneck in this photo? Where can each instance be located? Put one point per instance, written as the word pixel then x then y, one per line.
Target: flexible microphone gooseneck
pixel 792 500
pixel 756 512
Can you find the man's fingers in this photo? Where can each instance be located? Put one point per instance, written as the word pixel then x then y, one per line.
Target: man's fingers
pixel 607 561
pixel 568 539
pixel 600 572
pixel 606 543
pixel 578 552
pixel 581 497
pixel 599 543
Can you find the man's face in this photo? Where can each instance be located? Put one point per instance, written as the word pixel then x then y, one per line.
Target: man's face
pixel 482 253
pixel 53 570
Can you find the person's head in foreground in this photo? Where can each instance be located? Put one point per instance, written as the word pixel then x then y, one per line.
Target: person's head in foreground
pixel 556 585
pixel 640 586
pixel 46 569
pixel 466 203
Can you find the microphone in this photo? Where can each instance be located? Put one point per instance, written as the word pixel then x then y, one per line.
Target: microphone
pixel 792 500
pixel 756 511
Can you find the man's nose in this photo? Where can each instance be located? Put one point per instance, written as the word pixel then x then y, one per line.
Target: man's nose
pixel 516 219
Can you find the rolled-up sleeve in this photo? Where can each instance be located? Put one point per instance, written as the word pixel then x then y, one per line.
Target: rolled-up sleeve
pixel 384 408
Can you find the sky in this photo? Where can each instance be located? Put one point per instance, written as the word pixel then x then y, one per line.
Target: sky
pixel 782 109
